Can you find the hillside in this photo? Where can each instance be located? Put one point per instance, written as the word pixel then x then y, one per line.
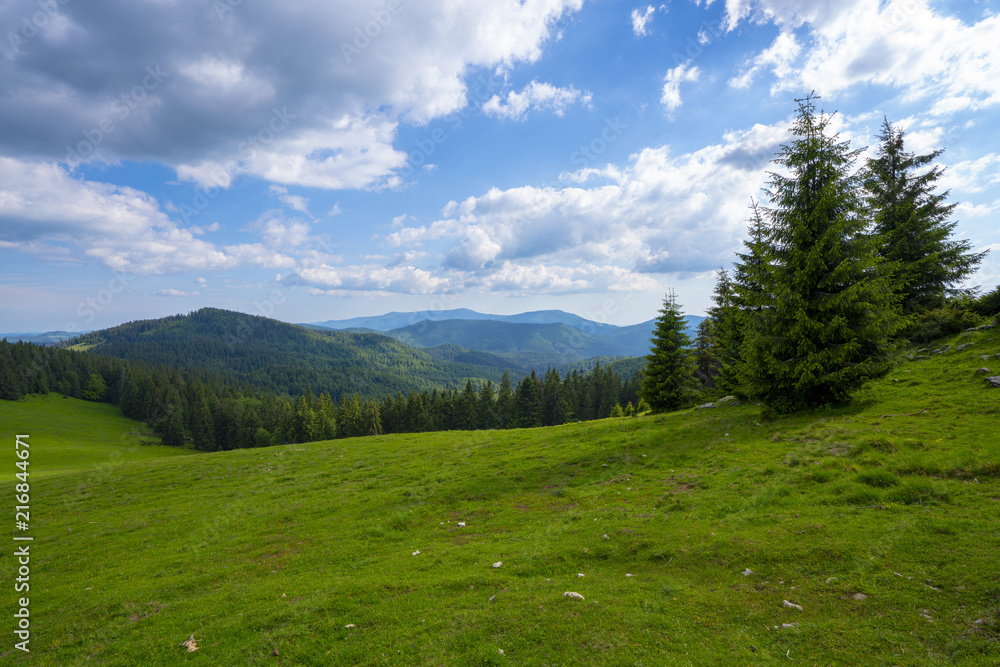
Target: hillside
pixel 285 357
pixel 684 533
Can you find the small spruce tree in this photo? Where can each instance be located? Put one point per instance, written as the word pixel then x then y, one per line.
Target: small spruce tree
pixel 668 380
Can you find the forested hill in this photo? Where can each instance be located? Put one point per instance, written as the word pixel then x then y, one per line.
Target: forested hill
pixel 287 358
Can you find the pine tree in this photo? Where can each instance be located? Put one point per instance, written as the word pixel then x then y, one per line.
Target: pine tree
pixel 706 357
pixel 913 222
pixel 669 379
pixel 820 321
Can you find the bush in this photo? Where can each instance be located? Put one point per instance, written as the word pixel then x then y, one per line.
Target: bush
pixel 949 319
pixel 988 304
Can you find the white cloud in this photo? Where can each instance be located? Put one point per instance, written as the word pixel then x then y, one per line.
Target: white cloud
pixel 641 19
pixel 652 217
pixel 226 75
pixel 671 97
pixel 122 227
pixel 778 57
pixel 536 96
pixel 372 278
pixel 173 292
pixel 294 202
pixel 902 44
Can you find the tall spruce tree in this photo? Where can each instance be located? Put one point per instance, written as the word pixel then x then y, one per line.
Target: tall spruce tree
pixel 668 380
pixel 821 321
pixel 913 221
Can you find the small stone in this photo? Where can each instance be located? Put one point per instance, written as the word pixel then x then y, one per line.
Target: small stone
pixel 860 597
pixel 349 625
pixel 994 381
pixel 605 536
pixel 628 574
pixel 274 652
pixel 963 346
pixel 497 565
pixel 790 605
pixel 283 595
pixel 461 524
pixel 747 572
pixel 416 553
pixel 492 598
pixel 787 625
pixel 706 405
pixel 573 596
pixel 578 574
pixel 500 651
pixel 983 371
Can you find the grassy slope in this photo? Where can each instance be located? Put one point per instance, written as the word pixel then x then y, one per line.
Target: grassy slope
pixel 69 435
pixel 279 549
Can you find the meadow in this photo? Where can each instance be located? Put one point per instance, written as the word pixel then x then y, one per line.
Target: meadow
pixel 861 534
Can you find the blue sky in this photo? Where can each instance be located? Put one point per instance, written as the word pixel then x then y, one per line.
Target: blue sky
pixel 309 160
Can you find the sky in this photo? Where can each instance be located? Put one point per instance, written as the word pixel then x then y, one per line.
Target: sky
pixel 311 160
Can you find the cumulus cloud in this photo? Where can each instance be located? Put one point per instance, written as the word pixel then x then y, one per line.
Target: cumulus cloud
pixel 649 217
pixel 117 225
pixel 902 44
pixel 671 97
pixel 641 19
pixel 299 93
pixel 372 278
pixel 535 96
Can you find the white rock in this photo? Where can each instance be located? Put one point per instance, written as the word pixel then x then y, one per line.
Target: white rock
pixel 416 553
pixel 349 625
pixel 461 524
pixel 573 596
pixel 580 575
pixel 492 598
pixel 605 536
pixel 497 565
pixel 860 597
pixel 627 574
pixel 747 572
pixel 790 605
pixel 500 651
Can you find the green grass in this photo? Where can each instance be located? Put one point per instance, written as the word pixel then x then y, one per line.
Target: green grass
pixel 69 435
pixel 278 549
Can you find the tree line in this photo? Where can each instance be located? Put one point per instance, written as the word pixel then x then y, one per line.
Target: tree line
pixel 840 269
pixel 211 412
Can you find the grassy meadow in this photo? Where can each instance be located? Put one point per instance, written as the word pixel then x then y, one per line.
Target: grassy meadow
pixel 691 530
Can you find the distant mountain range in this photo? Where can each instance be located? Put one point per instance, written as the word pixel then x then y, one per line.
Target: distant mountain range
pixel 397 320
pixel 47 338
pixel 538 339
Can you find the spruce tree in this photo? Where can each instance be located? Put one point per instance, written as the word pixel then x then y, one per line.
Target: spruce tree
pixel 821 319
pixel 668 380
pixel 913 222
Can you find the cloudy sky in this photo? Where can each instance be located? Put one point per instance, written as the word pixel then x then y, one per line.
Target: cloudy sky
pixel 311 160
